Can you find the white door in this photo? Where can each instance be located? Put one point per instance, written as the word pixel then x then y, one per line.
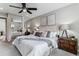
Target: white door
pixel 2 29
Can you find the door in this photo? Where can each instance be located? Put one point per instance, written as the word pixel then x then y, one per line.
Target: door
pixel 2 29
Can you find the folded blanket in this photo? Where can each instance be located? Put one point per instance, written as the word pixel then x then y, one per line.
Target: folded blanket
pixel 37 39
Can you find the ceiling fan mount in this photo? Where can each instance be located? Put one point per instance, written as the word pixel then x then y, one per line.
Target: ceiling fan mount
pixel 24 8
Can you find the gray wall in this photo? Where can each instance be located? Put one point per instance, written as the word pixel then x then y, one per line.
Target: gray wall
pixel 68 15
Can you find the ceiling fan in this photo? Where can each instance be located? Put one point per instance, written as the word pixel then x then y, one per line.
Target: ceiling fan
pixel 24 8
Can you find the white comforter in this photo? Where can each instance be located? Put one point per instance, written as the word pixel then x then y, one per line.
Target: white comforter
pixel 32 47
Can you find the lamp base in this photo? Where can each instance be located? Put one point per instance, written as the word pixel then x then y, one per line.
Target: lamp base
pixel 65 31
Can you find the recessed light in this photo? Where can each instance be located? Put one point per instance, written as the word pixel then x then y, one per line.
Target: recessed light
pixel 1 8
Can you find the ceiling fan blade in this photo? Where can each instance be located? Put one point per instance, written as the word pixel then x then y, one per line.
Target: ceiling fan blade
pixel 21 11
pixel 32 8
pixel 29 12
pixel 15 6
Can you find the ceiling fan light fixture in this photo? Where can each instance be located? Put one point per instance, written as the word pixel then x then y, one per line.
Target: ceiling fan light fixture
pixel 24 10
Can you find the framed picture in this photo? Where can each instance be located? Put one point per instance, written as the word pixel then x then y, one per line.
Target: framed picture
pixel 43 21
pixel 51 20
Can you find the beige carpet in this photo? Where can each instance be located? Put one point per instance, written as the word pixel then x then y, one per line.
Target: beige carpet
pixel 7 49
pixel 59 52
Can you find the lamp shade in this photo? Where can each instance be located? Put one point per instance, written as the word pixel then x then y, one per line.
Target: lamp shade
pixel 64 27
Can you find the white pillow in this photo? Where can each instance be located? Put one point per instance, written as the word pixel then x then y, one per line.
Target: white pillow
pixel 44 34
pixel 34 32
pixel 53 34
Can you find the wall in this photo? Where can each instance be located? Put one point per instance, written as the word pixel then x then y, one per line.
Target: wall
pixel 3 15
pixel 42 22
pixel 68 15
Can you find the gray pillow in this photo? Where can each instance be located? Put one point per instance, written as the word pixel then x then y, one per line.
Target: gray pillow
pixel 39 34
pixel 48 34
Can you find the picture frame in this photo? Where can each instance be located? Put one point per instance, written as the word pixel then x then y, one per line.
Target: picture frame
pixel 51 19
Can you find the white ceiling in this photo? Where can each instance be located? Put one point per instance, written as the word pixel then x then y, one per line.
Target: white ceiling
pixel 42 8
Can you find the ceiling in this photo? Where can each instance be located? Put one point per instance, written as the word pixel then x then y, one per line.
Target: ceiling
pixel 42 8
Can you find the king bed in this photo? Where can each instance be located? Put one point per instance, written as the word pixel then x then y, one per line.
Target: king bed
pixel 34 46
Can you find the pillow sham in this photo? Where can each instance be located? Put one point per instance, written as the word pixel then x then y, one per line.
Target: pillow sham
pixel 48 34
pixel 44 34
pixel 39 34
pixel 52 34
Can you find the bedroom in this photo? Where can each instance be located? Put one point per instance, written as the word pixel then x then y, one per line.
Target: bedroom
pixel 46 23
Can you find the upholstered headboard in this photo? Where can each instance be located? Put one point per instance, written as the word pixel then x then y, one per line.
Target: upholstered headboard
pixel 49 28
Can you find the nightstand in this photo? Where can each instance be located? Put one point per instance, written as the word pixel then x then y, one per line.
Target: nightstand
pixel 68 44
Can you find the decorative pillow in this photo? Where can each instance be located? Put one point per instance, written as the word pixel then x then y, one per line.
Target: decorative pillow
pixel 44 34
pixel 48 34
pixel 39 34
pixel 52 34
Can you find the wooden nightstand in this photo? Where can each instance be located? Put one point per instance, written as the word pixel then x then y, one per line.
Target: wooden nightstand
pixel 68 44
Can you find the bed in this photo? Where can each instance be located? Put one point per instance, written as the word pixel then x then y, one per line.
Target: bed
pixel 34 46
